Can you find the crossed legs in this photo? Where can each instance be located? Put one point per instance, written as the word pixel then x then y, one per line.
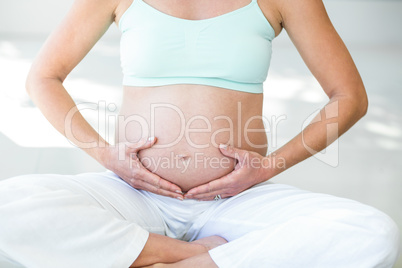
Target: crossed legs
pixel 49 219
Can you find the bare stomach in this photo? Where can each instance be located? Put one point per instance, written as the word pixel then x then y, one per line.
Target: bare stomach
pixel 189 122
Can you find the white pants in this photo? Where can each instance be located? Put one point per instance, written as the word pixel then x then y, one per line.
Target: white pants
pixel 97 220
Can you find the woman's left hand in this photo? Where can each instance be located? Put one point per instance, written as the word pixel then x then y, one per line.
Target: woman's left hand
pixel 251 168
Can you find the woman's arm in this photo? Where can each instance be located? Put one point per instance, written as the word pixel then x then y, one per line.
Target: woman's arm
pixel 327 57
pixel 78 32
pixel 83 26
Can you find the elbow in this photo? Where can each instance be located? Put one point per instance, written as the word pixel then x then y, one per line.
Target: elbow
pixel 37 80
pixel 363 103
pixel 355 101
pixel 32 80
pixel 358 101
pixel 29 83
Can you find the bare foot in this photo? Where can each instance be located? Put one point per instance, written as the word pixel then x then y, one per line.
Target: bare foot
pixel 203 246
pixel 210 242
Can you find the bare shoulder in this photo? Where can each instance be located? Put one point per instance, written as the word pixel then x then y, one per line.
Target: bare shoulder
pixel 294 12
pixel 272 13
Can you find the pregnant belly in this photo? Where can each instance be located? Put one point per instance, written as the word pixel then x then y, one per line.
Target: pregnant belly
pixel 189 122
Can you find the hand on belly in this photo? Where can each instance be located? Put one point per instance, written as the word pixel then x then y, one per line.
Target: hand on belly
pixel 189 122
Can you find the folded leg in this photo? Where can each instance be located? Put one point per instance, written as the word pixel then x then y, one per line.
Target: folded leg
pixel 60 221
pixel 273 225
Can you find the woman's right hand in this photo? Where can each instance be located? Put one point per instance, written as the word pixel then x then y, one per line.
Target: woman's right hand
pixel 123 160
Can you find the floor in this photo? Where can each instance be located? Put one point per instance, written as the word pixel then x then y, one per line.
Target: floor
pixel 365 164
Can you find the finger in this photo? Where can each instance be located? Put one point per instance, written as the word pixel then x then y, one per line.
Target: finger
pixel 158 182
pixel 211 186
pixel 161 191
pixel 142 173
pixel 211 196
pixel 233 152
pixel 157 190
pixel 197 190
pixel 144 143
pixel 161 183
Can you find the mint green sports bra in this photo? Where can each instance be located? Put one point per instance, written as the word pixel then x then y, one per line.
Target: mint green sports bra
pixel 230 51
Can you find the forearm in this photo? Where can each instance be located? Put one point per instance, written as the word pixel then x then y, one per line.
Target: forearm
pixel 334 119
pixel 58 107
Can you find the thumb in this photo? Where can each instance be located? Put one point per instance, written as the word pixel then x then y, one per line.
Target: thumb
pixel 145 143
pixel 232 151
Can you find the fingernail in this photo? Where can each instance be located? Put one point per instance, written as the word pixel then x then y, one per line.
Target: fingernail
pixel 151 139
pixel 223 146
pixel 179 192
pixel 180 198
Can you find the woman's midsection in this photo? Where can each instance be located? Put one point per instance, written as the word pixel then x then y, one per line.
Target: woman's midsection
pixel 189 122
